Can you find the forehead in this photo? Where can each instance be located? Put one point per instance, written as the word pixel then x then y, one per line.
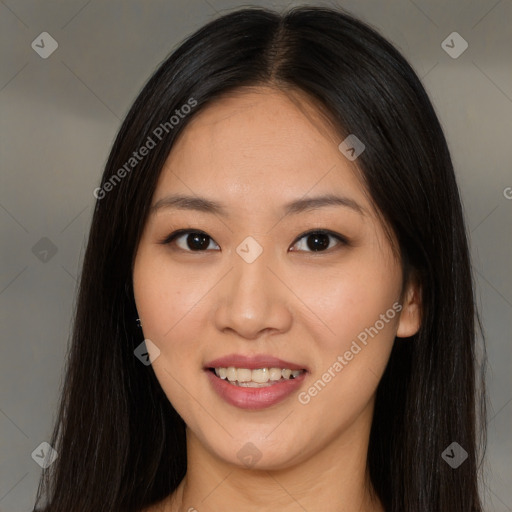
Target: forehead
pixel 262 143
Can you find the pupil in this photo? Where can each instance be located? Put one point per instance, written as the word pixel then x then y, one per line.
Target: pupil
pixel 320 239
pixel 197 241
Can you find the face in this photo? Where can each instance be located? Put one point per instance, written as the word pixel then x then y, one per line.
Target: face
pixel 266 283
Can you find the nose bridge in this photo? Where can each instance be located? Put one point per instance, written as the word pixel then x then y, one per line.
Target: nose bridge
pixel 252 300
pixel 251 277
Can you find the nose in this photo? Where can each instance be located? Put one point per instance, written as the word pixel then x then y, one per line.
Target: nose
pixel 252 299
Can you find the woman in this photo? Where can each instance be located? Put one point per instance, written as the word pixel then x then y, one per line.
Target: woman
pixel 276 307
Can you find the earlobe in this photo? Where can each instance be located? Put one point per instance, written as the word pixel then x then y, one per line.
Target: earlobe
pixel 410 316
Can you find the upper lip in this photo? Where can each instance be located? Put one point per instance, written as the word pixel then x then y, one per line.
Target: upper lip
pixel 252 362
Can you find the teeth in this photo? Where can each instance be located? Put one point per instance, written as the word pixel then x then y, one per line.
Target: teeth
pixel 286 374
pixel 256 378
pixel 231 373
pixel 275 373
pixel 243 375
pixel 260 376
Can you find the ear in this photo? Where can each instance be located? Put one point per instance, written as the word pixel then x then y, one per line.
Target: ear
pixel 410 316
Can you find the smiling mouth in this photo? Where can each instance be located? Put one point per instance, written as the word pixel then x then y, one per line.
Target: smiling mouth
pixel 255 378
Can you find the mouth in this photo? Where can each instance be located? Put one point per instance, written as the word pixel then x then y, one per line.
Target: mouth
pixel 254 382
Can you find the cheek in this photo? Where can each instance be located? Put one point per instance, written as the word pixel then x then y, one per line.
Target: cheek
pixel 348 302
pixel 359 309
pixel 163 294
pixel 167 303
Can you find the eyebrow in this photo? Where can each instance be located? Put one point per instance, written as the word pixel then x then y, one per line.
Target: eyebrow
pixel 202 204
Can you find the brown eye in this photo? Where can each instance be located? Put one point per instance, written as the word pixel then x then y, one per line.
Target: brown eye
pixel 192 241
pixel 319 240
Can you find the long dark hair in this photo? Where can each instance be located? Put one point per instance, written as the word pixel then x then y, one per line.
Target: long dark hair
pixel 121 444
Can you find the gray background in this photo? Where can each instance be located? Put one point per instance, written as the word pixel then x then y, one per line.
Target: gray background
pixel 59 118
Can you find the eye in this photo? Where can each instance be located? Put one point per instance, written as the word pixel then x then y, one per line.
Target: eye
pixel 318 240
pixel 197 241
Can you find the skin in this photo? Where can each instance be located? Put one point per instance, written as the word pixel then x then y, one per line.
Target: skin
pixel 292 302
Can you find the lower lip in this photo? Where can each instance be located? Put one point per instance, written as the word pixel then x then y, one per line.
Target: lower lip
pixel 254 398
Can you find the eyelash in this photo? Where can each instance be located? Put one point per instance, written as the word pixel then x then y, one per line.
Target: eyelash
pixel 175 234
